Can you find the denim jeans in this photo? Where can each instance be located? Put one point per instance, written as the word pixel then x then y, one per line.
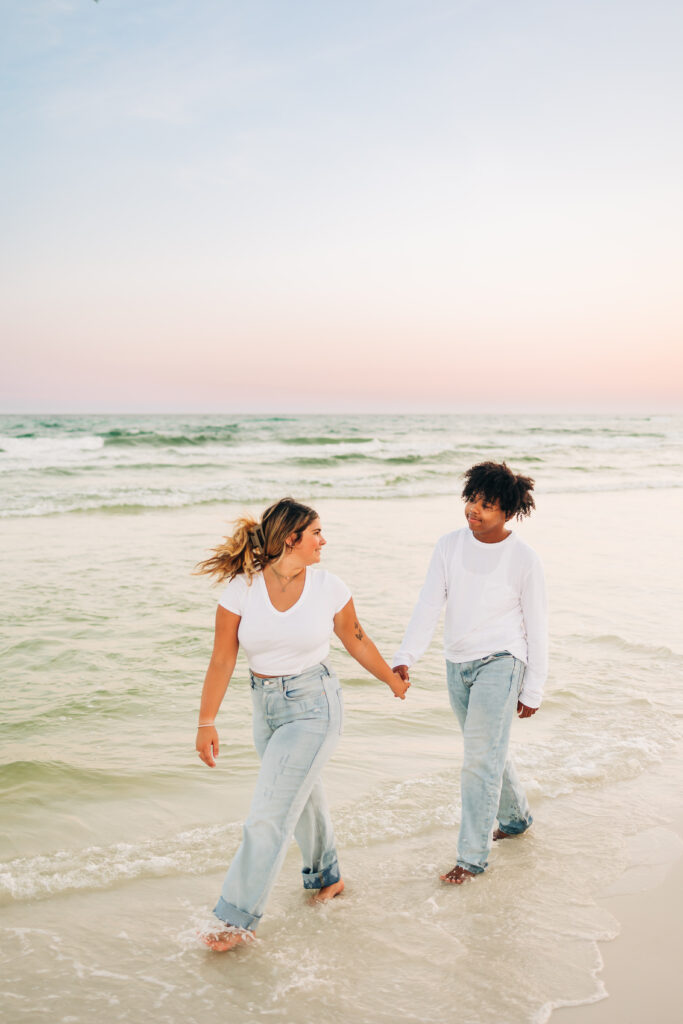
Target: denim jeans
pixel 484 695
pixel 297 724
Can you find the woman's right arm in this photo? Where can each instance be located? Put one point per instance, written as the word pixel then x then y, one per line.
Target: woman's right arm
pixel 218 674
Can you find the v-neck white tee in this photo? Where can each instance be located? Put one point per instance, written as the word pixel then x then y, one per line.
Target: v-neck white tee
pixel 285 643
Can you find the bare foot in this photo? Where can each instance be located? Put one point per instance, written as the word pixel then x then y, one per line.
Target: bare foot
pixel 221 942
pixel 328 892
pixel 457 875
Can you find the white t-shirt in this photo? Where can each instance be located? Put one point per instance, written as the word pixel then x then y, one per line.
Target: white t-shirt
pixel 285 643
pixel 495 601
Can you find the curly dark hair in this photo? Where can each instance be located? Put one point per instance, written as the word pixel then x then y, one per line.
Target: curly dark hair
pixel 495 481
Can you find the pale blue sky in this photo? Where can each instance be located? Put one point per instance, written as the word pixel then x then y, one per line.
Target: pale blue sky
pixel 241 205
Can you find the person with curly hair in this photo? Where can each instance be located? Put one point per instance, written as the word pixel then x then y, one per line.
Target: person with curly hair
pixel 281 609
pixel 495 641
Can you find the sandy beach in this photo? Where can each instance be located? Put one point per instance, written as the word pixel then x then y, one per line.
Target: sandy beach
pixel 641 966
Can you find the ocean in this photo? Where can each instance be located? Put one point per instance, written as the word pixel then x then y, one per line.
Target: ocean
pixel 115 837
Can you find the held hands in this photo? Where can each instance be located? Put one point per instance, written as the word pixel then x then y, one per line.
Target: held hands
pixel 400 682
pixel 207 745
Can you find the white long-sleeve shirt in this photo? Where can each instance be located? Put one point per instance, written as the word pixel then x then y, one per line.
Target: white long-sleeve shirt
pixel 495 601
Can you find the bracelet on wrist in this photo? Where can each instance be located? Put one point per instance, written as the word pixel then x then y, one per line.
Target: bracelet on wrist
pixel 205 725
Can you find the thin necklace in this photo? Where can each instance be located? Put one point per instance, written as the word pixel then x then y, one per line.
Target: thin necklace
pixel 281 576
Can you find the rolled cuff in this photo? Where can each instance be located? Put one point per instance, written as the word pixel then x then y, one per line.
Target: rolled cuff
pixel 320 879
pixel 235 917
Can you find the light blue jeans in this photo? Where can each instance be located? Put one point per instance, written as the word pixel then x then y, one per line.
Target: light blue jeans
pixel 484 695
pixel 297 724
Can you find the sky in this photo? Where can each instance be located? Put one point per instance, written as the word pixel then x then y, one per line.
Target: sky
pixel 353 205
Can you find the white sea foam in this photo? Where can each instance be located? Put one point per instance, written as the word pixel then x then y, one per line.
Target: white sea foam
pixel 193 852
pixel 43 452
pixel 89 463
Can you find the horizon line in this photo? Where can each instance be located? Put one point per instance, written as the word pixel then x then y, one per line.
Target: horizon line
pixel 390 410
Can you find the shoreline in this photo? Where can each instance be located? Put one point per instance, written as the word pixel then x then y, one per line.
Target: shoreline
pixel 640 968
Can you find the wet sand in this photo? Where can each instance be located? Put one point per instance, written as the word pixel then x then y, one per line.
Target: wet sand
pixel 641 970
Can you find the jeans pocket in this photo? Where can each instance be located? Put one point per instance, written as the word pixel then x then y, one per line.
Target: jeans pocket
pixel 309 693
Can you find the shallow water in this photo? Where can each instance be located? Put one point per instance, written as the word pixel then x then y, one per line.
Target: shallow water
pixel 115 838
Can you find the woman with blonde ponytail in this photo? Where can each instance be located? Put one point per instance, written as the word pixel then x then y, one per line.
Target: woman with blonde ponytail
pixel 282 611
pixel 241 552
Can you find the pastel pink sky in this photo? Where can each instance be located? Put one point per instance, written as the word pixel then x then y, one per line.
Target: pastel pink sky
pixel 388 206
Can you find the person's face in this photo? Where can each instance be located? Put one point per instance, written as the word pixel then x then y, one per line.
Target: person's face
pixel 308 548
pixel 486 519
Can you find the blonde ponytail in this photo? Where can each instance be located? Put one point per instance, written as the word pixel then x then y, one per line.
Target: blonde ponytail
pixel 253 545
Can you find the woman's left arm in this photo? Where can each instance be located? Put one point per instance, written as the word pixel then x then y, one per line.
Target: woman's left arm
pixel 349 630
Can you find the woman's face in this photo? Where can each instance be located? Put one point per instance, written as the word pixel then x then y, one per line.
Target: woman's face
pixel 308 548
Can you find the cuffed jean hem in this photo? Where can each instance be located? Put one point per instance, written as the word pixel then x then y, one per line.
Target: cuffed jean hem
pixel 235 917
pixel 473 868
pixel 320 879
pixel 516 828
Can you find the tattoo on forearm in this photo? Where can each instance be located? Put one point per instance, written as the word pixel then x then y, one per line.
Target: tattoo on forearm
pixel 357 631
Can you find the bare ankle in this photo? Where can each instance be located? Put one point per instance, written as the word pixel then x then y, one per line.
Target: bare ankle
pixel 328 892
